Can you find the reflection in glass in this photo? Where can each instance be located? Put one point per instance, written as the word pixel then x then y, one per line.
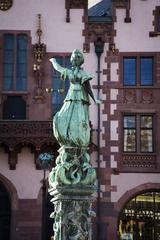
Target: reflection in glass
pixel 146 134
pixel 129 121
pixel 140 217
pixel 146 141
pixel 129 71
pixel 146 121
pixel 129 140
pixel 146 71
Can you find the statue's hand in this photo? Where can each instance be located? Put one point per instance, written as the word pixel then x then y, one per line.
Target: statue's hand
pixel 98 101
pixel 52 60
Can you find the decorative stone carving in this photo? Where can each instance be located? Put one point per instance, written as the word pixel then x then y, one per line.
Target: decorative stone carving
pixel 72 4
pixel 94 31
pixel 138 161
pixel 146 96
pixel 123 4
pixel 130 96
pixel 35 134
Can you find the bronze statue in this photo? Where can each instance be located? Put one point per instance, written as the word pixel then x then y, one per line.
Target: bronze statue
pixel 71 123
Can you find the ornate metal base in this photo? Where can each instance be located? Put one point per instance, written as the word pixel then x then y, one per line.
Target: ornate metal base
pixel 72 188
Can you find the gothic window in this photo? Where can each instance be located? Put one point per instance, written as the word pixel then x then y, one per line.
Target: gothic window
pixel 138 71
pixel 140 217
pixel 59 86
pixel 15 62
pixel 138 133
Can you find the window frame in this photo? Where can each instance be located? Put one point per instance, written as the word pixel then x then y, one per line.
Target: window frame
pixel 138 129
pixel 138 57
pixel 14 33
pixel 29 85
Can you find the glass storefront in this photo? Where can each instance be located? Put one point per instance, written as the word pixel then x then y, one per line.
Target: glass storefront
pixel 140 218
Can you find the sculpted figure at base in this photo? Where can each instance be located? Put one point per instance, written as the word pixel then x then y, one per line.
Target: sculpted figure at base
pixel 71 123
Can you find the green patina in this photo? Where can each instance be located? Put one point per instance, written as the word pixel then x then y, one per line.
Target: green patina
pixel 72 180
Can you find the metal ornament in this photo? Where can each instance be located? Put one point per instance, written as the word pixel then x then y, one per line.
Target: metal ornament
pixel 5 4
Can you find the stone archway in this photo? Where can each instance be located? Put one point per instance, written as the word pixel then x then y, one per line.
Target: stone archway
pixel 9 194
pixel 137 209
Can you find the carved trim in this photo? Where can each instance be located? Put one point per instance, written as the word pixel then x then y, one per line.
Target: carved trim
pixel 34 134
pixel 123 4
pixel 72 4
pixel 156 15
pixel 138 162
pixel 94 31
pixel 12 159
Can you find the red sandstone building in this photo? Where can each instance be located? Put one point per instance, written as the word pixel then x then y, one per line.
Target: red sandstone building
pixel 120 40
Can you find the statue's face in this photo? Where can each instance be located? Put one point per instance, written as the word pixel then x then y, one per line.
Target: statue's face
pixel 77 58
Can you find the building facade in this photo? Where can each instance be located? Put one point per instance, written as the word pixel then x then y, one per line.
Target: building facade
pixel 121 49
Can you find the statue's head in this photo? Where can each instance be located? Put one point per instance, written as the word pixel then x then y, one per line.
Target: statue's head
pixel 77 58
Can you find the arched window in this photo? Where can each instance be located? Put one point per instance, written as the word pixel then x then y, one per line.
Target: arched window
pixel 140 217
pixel 5 213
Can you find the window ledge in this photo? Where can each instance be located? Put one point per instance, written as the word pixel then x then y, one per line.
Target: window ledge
pixel 14 92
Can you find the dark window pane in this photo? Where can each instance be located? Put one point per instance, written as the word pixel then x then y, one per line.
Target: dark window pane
pixel 129 71
pixel 8 57
pixel 146 71
pixel 8 42
pixel 8 62
pixel 21 67
pixel 14 108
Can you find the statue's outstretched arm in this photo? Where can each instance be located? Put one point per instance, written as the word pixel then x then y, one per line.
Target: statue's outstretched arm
pixel 56 65
pixel 58 68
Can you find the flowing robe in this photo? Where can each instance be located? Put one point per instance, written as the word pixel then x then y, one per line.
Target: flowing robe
pixel 71 123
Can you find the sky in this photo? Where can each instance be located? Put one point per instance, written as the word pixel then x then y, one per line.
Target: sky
pixel 93 2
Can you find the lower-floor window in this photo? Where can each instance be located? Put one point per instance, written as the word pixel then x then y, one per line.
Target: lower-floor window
pixel 138 133
pixel 140 218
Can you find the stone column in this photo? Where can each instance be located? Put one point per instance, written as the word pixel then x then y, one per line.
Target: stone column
pixel 72 189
